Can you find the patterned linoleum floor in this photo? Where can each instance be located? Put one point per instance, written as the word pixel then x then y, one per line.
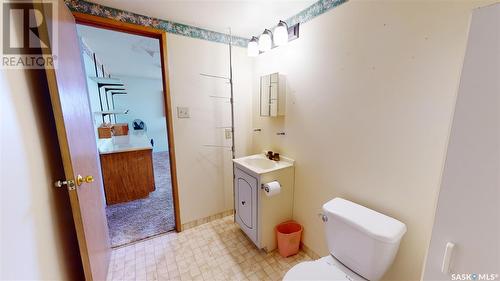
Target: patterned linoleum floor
pixel 146 217
pixel 217 250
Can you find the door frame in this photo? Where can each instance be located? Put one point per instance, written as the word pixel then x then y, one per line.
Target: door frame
pixel 111 24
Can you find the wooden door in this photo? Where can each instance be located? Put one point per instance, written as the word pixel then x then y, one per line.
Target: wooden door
pixel 75 131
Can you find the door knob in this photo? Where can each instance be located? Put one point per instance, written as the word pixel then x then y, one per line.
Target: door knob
pixel 70 184
pixel 243 203
pixel 80 180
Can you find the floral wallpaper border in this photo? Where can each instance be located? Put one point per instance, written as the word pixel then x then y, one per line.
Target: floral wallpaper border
pixel 313 11
pixel 169 26
pixel 86 7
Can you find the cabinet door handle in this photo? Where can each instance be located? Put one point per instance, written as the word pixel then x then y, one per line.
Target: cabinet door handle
pixel 243 203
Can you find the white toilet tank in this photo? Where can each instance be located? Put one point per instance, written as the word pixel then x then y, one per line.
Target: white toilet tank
pixel 362 239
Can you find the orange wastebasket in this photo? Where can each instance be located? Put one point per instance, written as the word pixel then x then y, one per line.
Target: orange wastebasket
pixel 288 235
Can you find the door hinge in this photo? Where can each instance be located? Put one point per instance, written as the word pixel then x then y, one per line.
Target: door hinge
pixel 70 184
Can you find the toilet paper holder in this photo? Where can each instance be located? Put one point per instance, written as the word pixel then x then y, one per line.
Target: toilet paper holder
pixel 266 189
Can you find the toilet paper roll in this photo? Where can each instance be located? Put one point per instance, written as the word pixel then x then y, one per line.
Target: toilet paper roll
pixel 272 188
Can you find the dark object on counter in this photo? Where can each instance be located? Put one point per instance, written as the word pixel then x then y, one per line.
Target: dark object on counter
pixel 276 157
pixel 269 155
pixel 273 156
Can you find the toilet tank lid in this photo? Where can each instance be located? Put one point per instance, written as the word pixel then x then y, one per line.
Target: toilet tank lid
pixel 373 223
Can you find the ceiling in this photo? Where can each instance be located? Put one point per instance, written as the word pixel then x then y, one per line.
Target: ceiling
pixel 123 53
pixel 246 18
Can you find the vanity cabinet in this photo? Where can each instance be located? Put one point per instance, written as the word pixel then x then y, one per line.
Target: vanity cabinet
pixel 256 213
pixel 246 190
pixel 272 95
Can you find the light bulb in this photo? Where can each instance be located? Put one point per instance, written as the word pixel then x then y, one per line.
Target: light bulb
pixel 253 47
pixel 281 34
pixel 265 41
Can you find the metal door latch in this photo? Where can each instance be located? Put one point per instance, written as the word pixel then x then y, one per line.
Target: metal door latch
pixel 69 183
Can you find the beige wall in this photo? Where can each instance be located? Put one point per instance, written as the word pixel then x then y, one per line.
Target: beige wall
pixel 205 173
pixel 38 241
pixel 372 88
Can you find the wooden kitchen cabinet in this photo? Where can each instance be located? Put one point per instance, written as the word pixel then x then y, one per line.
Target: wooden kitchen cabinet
pixel 127 175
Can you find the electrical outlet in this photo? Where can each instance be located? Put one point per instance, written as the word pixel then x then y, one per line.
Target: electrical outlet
pixel 227 133
pixel 182 112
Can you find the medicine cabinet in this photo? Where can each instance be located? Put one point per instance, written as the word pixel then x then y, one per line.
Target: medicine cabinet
pixel 272 95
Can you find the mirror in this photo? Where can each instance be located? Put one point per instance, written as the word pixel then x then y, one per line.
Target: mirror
pixel 272 95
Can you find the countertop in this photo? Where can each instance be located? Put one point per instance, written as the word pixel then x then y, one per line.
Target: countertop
pixel 132 142
pixel 259 164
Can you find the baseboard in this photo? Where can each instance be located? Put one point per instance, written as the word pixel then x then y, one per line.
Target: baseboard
pixel 309 252
pixel 201 221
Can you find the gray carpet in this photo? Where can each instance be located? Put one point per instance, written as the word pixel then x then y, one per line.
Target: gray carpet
pixel 143 218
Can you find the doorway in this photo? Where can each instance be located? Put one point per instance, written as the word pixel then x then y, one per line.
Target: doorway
pixel 128 96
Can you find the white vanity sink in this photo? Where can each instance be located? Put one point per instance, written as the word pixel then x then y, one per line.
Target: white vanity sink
pixel 259 164
pixel 256 211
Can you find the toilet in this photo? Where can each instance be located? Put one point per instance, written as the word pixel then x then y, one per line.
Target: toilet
pixel 362 244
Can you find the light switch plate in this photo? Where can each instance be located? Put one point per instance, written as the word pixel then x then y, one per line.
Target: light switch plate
pixel 182 112
pixel 228 134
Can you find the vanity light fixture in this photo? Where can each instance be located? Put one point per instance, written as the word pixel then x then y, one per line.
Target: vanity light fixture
pixel 253 47
pixel 265 41
pixel 281 34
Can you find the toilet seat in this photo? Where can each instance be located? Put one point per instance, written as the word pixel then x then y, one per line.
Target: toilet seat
pixel 325 268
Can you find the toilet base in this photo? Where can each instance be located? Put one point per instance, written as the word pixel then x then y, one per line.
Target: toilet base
pixel 325 268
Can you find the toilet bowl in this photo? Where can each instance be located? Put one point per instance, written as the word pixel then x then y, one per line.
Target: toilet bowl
pixel 361 241
pixel 325 268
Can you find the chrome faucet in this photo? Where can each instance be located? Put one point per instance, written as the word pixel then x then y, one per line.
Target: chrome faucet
pixel 273 156
pixel 270 155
